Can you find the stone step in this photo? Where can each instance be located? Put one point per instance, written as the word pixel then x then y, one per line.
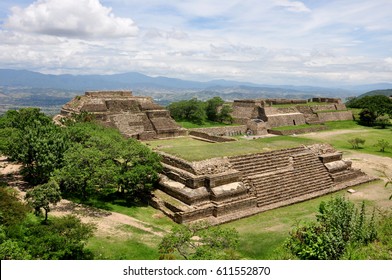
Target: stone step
pixel 266 200
pixel 272 154
pixel 292 187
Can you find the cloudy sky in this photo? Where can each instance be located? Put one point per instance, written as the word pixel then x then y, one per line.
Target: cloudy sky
pixel 318 42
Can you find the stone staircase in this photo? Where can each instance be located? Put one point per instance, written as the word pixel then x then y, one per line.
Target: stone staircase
pixel 282 175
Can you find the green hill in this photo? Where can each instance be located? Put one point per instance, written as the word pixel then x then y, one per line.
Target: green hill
pixel 386 92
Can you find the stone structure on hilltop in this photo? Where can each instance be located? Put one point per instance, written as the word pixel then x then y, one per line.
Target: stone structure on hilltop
pixel 134 116
pixel 259 114
pixel 223 189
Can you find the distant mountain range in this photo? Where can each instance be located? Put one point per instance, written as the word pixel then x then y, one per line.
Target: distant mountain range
pixel 27 88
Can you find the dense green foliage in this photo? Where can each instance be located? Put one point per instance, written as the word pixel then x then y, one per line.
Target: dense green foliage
pixel 34 141
pixel 23 237
pixel 339 225
pixel 85 159
pixel 373 107
pixel 192 110
pixel 200 241
pixel 42 196
pixel 198 112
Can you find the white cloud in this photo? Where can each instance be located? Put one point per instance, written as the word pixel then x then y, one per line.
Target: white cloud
pixel 293 6
pixel 70 18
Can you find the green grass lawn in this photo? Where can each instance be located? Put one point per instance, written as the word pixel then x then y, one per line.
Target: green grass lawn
pixel 194 150
pixel 371 136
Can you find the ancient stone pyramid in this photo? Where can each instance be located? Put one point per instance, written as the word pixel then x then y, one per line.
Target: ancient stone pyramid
pixel 134 116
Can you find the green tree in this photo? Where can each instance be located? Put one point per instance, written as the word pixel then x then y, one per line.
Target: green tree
pixel 42 196
pixel 102 162
pixel 199 241
pixel 383 145
pixel 212 106
pixel 376 104
pixel 62 238
pixel 383 121
pixel 224 115
pixel 34 141
pixel 367 117
pixel 356 142
pixel 339 226
pixel 12 211
pixel 192 110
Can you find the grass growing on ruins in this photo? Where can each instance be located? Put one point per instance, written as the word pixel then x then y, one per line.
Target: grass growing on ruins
pixel 194 150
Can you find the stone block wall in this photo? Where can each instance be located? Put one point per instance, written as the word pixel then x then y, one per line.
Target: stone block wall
pixel 318 108
pixel 335 116
pixel 223 130
pixel 286 120
pixel 210 138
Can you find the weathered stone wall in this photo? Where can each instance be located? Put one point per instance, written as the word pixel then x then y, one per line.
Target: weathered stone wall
pixel 335 116
pixel 246 109
pixel 318 108
pixel 325 99
pixel 223 130
pixel 286 120
pixel 257 127
pixel 210 138
pixel 111 93
pixel 273 101
pixel 275 111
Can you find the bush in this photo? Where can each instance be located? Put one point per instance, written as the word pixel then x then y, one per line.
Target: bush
pixel 383 145
pixel 356 142
pixel 339 226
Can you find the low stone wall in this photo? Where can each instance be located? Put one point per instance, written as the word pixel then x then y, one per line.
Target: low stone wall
pixel 223 130
pixel 298 131
pixel 318 108
pixel 326 100
pixel 335 116
pixel 286 120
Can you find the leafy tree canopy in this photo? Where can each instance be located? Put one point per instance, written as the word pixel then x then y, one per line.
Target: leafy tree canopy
pixel 200 241
pixel 376 104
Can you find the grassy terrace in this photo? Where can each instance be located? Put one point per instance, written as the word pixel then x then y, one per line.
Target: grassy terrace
pixel 194 150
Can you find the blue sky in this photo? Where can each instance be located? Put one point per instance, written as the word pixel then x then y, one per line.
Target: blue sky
pixel 324 42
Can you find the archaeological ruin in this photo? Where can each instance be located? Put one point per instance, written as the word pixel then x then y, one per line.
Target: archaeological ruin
pixel 227 188
pixel 224 189
pixel 260 115
pixel 134 116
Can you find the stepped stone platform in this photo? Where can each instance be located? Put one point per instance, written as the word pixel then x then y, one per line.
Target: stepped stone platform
pixel 260 115
pixel 224 189
pixel 134 116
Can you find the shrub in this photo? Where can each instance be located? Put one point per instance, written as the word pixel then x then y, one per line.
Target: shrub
pixel 356 142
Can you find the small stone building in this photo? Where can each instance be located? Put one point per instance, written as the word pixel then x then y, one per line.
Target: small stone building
pixel 134 116
pixel 261 114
